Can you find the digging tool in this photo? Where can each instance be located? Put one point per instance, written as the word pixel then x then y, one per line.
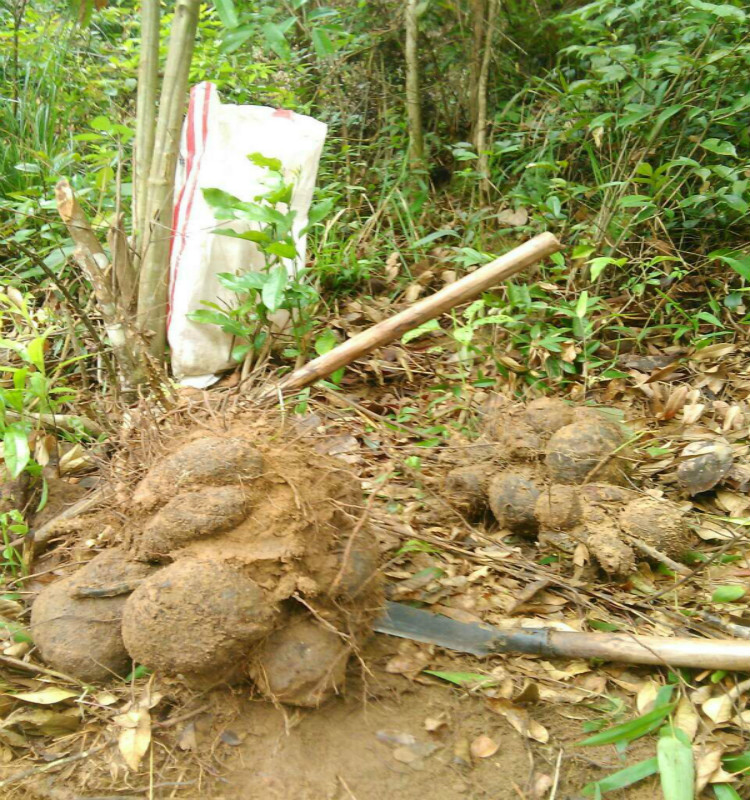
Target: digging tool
pixel 461 291
pixel 484 640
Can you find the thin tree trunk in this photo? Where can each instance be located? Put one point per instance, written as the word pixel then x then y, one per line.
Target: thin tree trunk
pixel 154 276
pixel 478 12
pixel 481 129
pixel 413 105
pixel 145 123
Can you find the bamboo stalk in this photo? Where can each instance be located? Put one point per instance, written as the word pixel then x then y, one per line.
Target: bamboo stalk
pixel 481 121
pixel 394 327
pixel 145 123
pixel 413 104
pixel 154 276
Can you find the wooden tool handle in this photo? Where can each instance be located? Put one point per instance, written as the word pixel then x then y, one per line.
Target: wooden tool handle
pixel 394 327
pixel 728 654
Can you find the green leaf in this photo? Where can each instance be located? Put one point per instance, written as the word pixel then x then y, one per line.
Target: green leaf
pixel 431 237
pixel 467 680
pixel 319 211
pixel 240 351
pixel 325 342
pixel 633 729
pixel 264 161
pixel 273 290
pixel 416 546
pixel 282 249
pixel 101 124
pixel 227 13
pixel 728 594
pixel 676 768
pixel 425 327
pixel 582 305
pixel 35 352
pixel 322 43
pixel 222 202
pixel 600 625
pixel 738 763
pixel 259 237
pixel 719 146
pixel 247 282
pixel 724 791
pixel 624 777
pixel 224 321
pixel 739 262
pixel 276 40
pixel 16 449
pixel 723 10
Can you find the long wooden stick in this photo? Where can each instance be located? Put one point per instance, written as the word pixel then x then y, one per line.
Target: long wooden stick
pixel 394 327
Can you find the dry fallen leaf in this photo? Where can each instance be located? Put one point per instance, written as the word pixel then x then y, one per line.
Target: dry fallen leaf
pixel 47 696
pixel 718 709
pixel 645 698
pixel 484 747
pixel 519 719
pixel 686 718
pixel 43 721
pixel 135 739
pixel 707 762
pixel 407 663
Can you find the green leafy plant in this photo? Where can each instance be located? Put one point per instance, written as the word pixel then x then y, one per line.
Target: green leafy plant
pixel 12 528
pixel 269 221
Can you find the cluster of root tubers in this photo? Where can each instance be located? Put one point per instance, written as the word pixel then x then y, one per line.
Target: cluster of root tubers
pixel 239 560
pixel 561 476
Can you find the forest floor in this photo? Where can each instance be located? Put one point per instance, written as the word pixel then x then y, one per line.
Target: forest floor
pixel 504 727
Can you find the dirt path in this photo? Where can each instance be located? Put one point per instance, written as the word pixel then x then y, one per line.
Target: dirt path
pixel 360 745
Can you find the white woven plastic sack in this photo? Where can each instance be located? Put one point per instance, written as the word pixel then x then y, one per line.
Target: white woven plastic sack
pixel 216 141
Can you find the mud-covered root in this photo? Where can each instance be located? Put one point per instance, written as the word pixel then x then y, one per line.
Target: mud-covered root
pixel 513 499
pixel 210 460
pixel 558 508
pixel 613 555
pixel 465 489
pixel 658 523
pixel 75 621
pixel 302 664
pixel 197 619
pixel 189 516
pixel 584 450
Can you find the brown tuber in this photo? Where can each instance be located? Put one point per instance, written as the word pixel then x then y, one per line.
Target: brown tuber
pixel 558 508
pixel 547 415
pixel 213 460
pixel 612 554
pixel 465 488
pixel 586 448
pixel 195 618
pixel 658 523
pixel 302 664
pixel 79 634
pixel 512 500
pixel 190 515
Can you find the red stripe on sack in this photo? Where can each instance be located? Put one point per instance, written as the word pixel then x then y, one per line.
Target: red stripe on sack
pixel 191 179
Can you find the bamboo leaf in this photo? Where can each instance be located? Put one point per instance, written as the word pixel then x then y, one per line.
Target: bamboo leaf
pixel 633 729
pixel 623 778
pixel 676 768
